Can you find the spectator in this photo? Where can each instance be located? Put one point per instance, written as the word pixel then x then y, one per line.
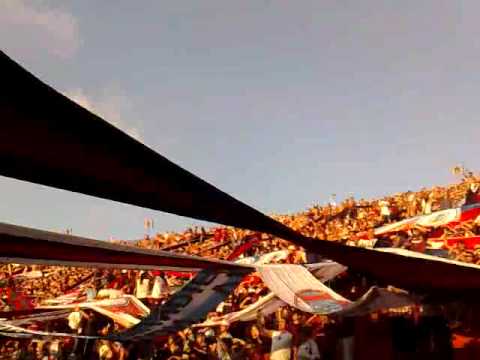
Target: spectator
pixel 281 339
pixel 308 348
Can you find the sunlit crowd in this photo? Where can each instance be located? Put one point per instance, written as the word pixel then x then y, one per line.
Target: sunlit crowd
pixel 286 334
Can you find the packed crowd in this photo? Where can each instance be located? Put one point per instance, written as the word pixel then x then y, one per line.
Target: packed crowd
pixel 350 222
pixel 286 334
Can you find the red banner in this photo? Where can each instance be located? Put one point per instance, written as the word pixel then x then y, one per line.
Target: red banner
pixel 241 249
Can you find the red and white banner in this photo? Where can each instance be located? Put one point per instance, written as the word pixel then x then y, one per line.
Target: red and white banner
pixel 126 310
pixel 297 287
pixel 449 217
pixel 470 243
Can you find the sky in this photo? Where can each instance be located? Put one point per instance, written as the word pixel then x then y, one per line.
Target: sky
pixel 279 103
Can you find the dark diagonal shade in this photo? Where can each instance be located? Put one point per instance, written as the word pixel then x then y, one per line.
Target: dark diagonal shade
pixel 47 139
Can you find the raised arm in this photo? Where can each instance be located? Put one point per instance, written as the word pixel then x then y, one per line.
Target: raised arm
pixel 261 326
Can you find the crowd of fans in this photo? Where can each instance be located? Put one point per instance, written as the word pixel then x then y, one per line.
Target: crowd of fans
pixel 286 334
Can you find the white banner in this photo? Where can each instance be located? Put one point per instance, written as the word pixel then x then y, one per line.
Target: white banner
pixel 296 286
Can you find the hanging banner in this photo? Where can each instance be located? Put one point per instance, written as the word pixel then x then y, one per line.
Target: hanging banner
pixel 378 299
pixel 470 242
pixel 188 306
pixel 25 245
pixel 449 217
pixel 297 287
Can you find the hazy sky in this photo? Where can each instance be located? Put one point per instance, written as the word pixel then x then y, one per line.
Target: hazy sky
pixel 280 103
